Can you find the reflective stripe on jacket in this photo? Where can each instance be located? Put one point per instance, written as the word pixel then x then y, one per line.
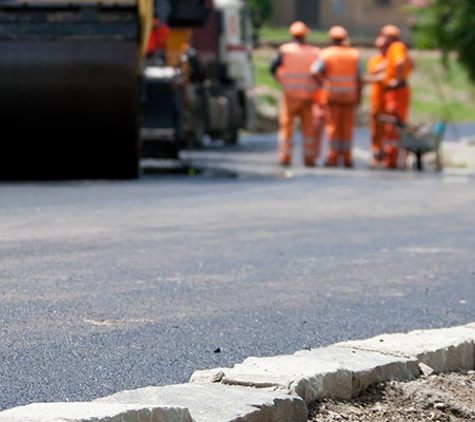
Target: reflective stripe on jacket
pixel 294 74
pixel 341 67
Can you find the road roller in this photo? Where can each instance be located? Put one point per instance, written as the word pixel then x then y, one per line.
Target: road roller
pixel 69 88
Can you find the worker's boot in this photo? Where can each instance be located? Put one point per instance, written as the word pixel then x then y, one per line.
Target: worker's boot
pixel 332 159
pixel 376 159
pixel 347 160
pixel 390 157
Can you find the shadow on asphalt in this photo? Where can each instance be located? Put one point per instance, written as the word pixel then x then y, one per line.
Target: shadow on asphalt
pixel 182 168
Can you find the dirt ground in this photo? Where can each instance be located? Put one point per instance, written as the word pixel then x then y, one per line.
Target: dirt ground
pixel 442 397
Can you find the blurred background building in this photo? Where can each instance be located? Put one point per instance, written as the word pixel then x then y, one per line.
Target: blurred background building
pixel 362 18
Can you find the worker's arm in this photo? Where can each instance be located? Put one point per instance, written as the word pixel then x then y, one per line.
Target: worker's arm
pixel 398 79
pixel 374 77
pixel 359 83
pixel 317 70
pixel 275 63
pixel 400 70
pixel 380 67
pixel 376 71
pixel 400 62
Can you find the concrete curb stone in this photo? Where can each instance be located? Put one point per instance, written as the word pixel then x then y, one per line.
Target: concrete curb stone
pixel 443 350
pixel 274 389
pixel 208 402
pixel 93 412
pixel 313 374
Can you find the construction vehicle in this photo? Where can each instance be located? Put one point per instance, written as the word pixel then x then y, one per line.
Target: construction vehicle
pixel 72 84
pixel 69 87
pixel 201 83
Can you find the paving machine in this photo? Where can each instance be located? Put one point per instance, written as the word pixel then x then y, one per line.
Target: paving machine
pixel 69 87
pixel 200 82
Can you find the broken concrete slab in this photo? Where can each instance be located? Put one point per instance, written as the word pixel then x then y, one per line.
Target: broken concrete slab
pixel 208 402
pixel 443 349
pixel 330 372
pixel 94 412
pixel 472 326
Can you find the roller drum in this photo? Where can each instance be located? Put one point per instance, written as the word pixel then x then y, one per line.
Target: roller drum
pixel 69 100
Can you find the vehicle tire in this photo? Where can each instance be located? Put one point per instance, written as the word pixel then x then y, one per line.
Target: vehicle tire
pixel 198 116
pixel 199 130
pixel 231 134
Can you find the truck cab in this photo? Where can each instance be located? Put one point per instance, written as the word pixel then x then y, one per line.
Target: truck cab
pixel 207 87
pixel 235 52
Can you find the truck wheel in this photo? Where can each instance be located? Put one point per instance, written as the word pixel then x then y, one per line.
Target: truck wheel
pixel 231 134
pixel 198 131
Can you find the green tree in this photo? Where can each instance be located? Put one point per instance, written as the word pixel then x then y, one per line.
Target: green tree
pixel 450 27
pixel 261 12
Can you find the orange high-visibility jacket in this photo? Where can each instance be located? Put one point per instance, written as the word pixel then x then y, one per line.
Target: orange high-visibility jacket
pixel 341 74
pixel 397 51
pixel 377 88
pixel 294 75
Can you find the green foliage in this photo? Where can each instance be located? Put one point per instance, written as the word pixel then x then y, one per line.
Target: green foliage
pixel 261 12
pixel 449 26
pixel 262 74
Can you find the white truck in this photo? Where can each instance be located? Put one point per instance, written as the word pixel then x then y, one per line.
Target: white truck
pixel 208 90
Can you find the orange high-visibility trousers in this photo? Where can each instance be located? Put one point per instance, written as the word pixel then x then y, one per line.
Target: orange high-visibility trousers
pixel 312 152
pixel 377 131
pixel 396 103
pixel 290 108
pixel 376 106
pixel 340 120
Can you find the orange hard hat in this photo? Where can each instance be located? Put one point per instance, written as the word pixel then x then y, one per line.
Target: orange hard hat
pixel 337 32
pixel 298 29
pixel 390 31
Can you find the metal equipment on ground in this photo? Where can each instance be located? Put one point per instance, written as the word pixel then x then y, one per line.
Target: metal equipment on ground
pixel 422 141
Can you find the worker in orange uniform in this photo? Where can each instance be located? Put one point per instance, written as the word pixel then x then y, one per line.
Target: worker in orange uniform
pixel 376 68
pixel 318 119
pixel 157 39
pixel 291 67
pixel 397 93
pixel 338 68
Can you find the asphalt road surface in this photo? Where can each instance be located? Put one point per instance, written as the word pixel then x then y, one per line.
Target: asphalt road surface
pixel 113 285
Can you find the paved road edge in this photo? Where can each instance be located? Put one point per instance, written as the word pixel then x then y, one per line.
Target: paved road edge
pixel 275 389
